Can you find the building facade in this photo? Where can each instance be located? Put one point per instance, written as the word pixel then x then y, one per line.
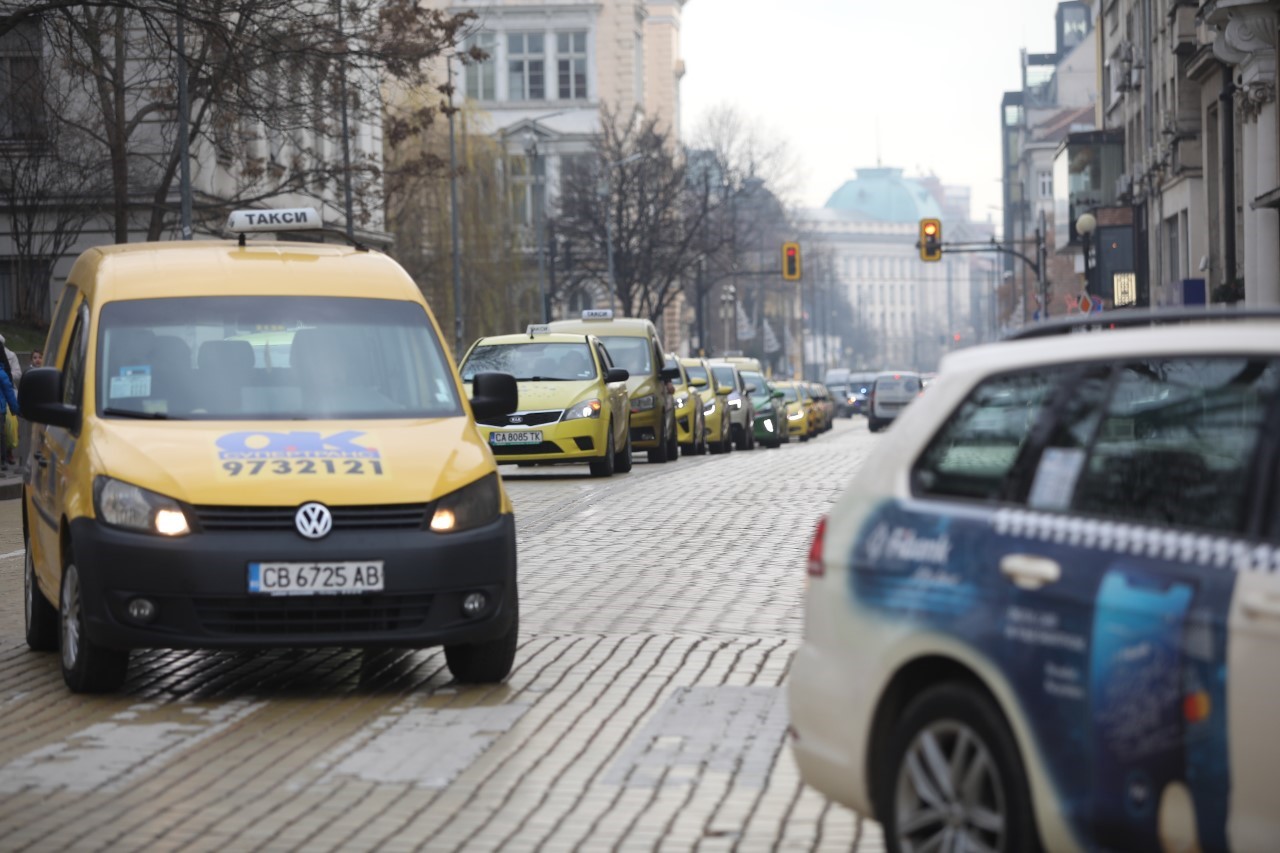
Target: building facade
pixel 1057 97
pixel 553 68
pixel 906 313
pixel 51 127
pixel 1190 88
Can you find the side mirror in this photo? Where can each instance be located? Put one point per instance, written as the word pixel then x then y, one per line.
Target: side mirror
pixel 751 388
pixel 40 399
pixel 669 374
pixel 777 395
pixel 698 382
pixel 617 374
pixel 724 389
pixel 492 394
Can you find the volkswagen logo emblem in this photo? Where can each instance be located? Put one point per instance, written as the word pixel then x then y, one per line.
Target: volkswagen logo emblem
pixel 314 520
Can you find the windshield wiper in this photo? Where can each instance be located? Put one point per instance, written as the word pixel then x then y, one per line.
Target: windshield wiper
pixel 132 413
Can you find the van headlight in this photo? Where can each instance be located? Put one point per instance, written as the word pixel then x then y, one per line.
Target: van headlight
pixel 471 506
pixel 642 404
pixel 585 409
pixel 121 504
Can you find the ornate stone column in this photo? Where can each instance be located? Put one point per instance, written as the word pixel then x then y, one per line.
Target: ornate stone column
pixel 1246 40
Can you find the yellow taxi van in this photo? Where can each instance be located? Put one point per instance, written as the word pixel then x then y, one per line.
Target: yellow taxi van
pixel 186 491
pixel 633 344
pixel 573 403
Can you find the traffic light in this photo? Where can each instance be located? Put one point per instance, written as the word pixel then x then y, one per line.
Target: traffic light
pixel 930 244
pixel 791 261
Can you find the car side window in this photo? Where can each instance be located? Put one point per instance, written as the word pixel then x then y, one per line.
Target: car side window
pixel 976 450
pixel 73 372
pixel 1178 442
pixel 61 320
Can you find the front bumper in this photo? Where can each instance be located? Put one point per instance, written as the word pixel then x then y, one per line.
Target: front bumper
pixel 798 426
pixel 578 440
pixel 199 584
pixel 646 429
pixel 768 429
pixel 686 421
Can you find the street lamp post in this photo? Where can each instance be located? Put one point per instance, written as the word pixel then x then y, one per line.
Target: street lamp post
pixel 1086 225
pixel 728 299
pixel 538 168
pixel 454 240
pixel 606 192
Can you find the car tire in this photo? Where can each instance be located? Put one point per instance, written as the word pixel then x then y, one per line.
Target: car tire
pixel 673 444
pixel 86 666
pixel 41 616
pixel 485 663
pixel 605 465
pixel 659 453
pixel 873 425
pixel 622 462
pixel 966 729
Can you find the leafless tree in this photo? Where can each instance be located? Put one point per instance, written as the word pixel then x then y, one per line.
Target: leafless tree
pixel 265 77
pixel 638 192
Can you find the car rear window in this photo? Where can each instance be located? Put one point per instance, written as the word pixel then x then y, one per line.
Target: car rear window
pixel 905 385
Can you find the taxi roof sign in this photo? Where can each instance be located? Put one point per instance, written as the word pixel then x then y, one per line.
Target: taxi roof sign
pixel 285 219
pixel 597 314
pixel 538 329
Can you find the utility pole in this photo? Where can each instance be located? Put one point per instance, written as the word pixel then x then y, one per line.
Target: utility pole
pixel 1042 261
pixel 346 132
pixel 184 130
pixel 453 222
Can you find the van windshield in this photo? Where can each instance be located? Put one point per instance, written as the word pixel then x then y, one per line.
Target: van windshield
pixel 271 358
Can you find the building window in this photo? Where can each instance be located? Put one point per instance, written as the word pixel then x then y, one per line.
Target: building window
pixel 21 105
pixel 528 188
pixel 1046 184
pixel 526 74
pixel 571 61
pixel 482 74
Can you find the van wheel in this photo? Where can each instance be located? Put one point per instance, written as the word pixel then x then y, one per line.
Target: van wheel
pixel 953 777
pixel 86 666
pixel 603 467
pixel 622 462
pixel 42 617
pixel 485 663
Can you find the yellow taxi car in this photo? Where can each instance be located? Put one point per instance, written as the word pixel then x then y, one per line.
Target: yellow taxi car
pixel 573 403
pixel 691 427
pixel 181 495
pixel 797 414
pixel 715 406
pixel 634 346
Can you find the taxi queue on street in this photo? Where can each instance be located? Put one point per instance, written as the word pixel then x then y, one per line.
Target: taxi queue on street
pixel 598 389
pixel 245 444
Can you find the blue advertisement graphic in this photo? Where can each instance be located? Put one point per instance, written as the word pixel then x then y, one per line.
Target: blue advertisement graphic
pixel 1119 666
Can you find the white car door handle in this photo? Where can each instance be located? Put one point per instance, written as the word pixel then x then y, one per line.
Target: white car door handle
pixel 1029 571
pixel 1261 605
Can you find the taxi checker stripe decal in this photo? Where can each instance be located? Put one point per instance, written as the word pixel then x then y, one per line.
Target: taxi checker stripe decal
pixel 1138 540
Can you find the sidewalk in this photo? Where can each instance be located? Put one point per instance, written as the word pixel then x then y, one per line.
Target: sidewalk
pixel 10 483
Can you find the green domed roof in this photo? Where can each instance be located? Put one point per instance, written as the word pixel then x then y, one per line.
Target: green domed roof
pixel 884 195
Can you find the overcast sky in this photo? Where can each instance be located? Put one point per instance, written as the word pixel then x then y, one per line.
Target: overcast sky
pixel 825 74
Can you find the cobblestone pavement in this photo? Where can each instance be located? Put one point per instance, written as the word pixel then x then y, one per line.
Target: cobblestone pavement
pixel 660 612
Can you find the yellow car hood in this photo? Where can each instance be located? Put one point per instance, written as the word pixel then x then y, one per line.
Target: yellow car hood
pixel 554 395
pixel 335 462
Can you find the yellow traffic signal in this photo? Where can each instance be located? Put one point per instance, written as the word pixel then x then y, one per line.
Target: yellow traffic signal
pixel 791 261
pixel 930 244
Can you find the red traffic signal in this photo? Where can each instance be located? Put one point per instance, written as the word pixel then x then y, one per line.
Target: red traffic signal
pixel 791 261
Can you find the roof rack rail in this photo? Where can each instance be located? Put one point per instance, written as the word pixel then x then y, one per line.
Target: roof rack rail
pixel 1128 318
